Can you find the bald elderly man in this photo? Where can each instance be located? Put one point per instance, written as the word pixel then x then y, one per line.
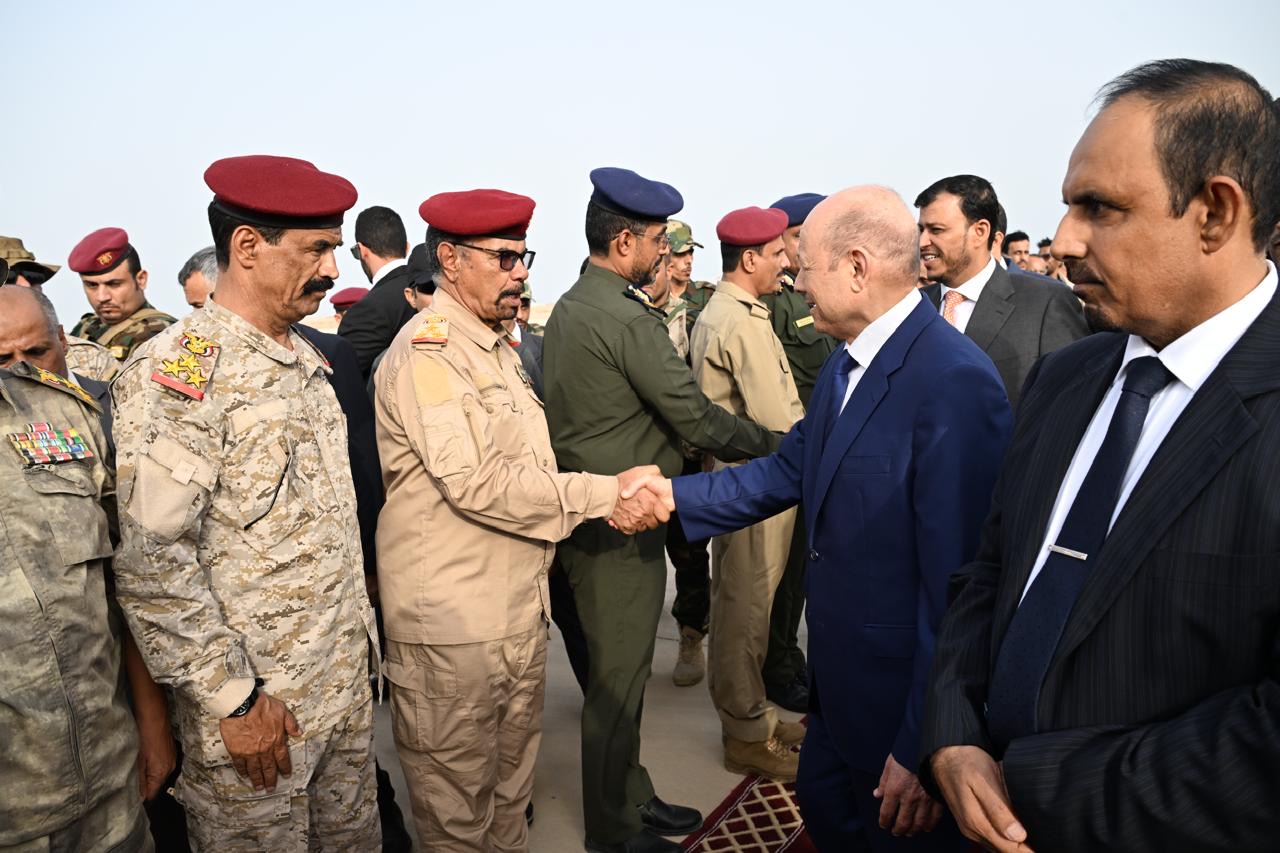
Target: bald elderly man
pixel 894 461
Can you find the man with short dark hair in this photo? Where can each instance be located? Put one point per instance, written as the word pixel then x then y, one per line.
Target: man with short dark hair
pixel 1106 676
pixel 1016 246
pixel 199 276
pixel 114 283
pixel 380 247
pixel 680 268
pixel 1013 317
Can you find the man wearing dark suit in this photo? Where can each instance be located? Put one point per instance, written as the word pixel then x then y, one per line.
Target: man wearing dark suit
pixel 893 464
pixel 381 247
pixel 1013 317
pixel 1115 645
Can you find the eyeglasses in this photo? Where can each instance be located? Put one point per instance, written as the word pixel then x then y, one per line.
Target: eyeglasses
pixel 506 257
pixel 355 251
pixel 660 238
pixel 35 276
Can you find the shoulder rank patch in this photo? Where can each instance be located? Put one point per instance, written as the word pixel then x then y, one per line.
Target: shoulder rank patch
pixel 434 329
pixel 43 444
pixel 804 321
pixel 55 381
pixel 190 368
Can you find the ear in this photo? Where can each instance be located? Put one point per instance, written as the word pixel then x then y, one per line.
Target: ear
pixel 856 264
pixel 245 245
pixel 748 262
pixel 982 230
pixel 624 243
pixel 141 278
pixel 449 260
pixel 1226 211
pixel 62 340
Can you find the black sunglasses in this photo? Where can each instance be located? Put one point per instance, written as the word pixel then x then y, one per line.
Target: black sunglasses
pixel 427 287
pixel 506 257
pixel 35 276
pixel 355 251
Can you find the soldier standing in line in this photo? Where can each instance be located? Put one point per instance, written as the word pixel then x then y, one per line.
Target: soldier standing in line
pixel 694 293
pixel 114 283
pixel 240 568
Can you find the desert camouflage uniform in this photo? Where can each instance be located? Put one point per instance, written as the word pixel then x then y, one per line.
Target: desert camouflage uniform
pixel 240 557
pixel 91 359
pixel 68 744
pixel 676 310
pixel 122 338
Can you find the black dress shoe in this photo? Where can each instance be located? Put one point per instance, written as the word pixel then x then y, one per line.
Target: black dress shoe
pixel 793 697
pixel 644 842
pixel 666 819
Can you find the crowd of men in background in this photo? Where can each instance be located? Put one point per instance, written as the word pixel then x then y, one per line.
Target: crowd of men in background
pixel 252 517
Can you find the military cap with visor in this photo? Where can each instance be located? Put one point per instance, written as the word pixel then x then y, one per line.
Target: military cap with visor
pixel 680 237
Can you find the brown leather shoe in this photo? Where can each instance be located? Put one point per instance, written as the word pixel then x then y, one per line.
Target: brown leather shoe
pixel 691 665
pixel 791 734
pixel 770 758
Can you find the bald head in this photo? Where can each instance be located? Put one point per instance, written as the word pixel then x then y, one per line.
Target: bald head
pixel 29 330
pixel 859 255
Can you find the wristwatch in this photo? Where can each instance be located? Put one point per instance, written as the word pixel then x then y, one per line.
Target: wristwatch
pixel 249 700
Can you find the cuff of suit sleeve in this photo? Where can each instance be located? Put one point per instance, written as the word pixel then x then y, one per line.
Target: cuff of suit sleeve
pixel 602 495
pixel 229 696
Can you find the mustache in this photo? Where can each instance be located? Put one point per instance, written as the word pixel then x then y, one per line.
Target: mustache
pixel 1079 272
pixel 317 285
pixel 509 292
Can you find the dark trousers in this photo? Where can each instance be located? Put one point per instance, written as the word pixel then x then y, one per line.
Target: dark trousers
pixel 692 561
pixel 564 612
pixel 784 661
pixel 841 815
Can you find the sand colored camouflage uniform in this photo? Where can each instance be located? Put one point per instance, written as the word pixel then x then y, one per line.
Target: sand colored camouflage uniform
pixel 676 310
pixel 240 557
pixel 122 338
pixel 91 359
pixel 68 744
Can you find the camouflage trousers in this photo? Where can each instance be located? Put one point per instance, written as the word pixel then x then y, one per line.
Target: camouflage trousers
pixel 116 825
pixel 467 721
pixel 328 803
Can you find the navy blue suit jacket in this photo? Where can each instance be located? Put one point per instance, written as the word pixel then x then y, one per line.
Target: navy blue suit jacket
pixel 894 499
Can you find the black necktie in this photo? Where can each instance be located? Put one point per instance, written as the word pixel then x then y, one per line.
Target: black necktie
pixel 844 367
pixel 1037 625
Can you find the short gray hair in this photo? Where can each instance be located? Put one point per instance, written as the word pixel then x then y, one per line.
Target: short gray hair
pixel 899 247
pixel 204 261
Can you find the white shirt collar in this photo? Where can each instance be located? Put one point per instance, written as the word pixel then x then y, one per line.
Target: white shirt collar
pixel 866 345
pixel 999 259
pixel 1192 357
pixel 386 270
pixel 972 288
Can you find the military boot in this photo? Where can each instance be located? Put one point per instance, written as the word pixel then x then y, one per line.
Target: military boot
pixel 770 758
pixel 691 665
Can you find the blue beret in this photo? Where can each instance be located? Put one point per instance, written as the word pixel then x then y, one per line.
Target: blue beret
pixel 624 192
pixel 797 207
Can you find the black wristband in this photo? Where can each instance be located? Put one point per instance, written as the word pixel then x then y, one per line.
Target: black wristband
pixel 249 701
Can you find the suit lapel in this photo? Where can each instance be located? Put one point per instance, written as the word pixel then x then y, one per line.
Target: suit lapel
pixel 934 294
pixel 992 309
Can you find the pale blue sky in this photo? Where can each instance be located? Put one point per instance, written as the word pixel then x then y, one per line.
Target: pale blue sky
pixel 115 109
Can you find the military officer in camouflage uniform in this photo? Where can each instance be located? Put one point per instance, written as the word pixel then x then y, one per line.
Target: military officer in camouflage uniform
pixel 618 396
pixel 114 281
pixel 240 569
pixel 694 293
pixel 68 779
pixel 672 306
pixel 786 675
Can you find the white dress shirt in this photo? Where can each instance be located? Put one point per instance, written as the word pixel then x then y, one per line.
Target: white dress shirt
pixel 1191 358
pixel 970 290
pixel 386 270
pixel 864 347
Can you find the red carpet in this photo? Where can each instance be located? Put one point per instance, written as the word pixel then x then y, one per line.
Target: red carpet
pixel 758 816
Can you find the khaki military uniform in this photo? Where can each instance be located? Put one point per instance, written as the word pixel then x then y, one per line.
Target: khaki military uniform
pixel 465 540
pixel 739 364
pixel 67 766
pixel 90 359
pixel 240 557
pixel 122 338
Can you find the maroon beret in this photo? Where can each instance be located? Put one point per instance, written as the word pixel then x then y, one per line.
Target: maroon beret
pixel 279 192
pixel 751 226
pixel 348 296
pixel 479 213
pixel 101 251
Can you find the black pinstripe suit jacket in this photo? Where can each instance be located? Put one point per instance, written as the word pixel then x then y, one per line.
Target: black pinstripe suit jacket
pixel 1159 718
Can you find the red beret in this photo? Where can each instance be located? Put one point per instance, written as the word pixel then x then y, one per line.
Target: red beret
pixel 279 192
pixel 348 296
pixel 751 226
pixel 479 213
pixel 101 251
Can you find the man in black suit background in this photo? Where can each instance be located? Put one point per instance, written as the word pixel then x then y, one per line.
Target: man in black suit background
pixel 381 246
pixel 1013 317
pixel 1115 645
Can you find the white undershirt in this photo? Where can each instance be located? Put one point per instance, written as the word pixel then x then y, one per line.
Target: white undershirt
pixel 1191 358
pixel 970 290
pixel 864 347
pixel 386 270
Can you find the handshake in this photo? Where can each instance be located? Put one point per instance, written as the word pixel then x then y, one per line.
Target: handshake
pixel 645 500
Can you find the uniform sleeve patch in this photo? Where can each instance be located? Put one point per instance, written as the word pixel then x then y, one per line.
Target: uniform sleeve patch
pixel 434 329
pixel 189 370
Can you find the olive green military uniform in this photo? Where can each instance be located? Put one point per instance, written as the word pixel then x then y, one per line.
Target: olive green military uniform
pixel 619 396
pixel 122 338
pixel 67 766
pixel 806 349
pixel 91 359
pixel 696 296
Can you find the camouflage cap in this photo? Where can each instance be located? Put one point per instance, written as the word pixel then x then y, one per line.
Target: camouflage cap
pixel 526 292
pixel 680 236
pixel 18 255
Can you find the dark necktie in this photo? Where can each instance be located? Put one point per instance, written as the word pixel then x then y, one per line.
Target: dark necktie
pixel 1037 625
pixel 844 366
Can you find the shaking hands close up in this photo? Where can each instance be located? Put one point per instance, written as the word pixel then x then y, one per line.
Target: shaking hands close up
pixel 645 500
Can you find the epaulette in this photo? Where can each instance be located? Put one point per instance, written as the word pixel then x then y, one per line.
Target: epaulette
pixel 190 368
pixel 633 292
pixel 324 359
pixel 433 329
pixel 53 380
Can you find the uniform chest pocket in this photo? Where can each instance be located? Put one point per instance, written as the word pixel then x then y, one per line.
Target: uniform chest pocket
pixel 77 526
pixel 504 416
pixel 263 492
pixel 64 478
